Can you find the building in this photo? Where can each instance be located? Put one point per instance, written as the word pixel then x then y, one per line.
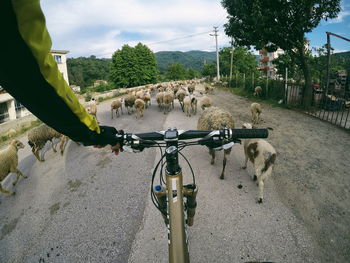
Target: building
pixel 265 63
pixel 10 109
pixel 60 58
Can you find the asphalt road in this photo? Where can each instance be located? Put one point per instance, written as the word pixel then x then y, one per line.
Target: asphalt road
pixel 90 206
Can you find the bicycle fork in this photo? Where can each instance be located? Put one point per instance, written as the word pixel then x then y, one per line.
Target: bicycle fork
pixel 171 203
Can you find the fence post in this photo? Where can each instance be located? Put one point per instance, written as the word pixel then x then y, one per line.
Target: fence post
pixel 243 80
pixel 253 80
pixel 236 79
pixel 286 87
pixel 267 85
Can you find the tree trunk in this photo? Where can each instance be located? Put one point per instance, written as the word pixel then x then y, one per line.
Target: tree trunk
pixel 307 94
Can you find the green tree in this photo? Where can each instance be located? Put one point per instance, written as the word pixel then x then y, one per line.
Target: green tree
pixel 209 70
pixel 176 71
pixel 84 71
pixel 133 66
pixel 191 73
pixel 272 24
pixel 243 61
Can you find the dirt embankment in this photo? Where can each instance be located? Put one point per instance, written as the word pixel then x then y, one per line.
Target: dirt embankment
pixel 312 174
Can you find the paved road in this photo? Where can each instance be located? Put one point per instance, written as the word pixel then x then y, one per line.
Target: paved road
pixel 83 207
pixel 89 206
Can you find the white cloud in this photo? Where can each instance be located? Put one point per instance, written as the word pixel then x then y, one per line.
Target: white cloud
pixel 340 17
pixel 95 27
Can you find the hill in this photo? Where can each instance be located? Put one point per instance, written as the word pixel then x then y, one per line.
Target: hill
pixel 191 59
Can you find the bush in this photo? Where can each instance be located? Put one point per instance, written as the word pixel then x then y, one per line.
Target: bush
pixel 88 97
pixel 104 87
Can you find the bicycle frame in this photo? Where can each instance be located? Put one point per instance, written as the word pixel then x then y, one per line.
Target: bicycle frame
pixel 172 200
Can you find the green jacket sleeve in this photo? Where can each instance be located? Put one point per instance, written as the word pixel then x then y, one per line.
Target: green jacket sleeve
pixel 30 74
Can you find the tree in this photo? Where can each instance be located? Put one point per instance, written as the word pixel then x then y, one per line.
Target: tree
pixel 279 23
pixel 243 61
pixel 176 71
pixel 209 70
pixel 191 73
pixel 133 66
pixel 84 71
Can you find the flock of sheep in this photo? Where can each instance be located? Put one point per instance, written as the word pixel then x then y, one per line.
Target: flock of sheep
pixel 259 152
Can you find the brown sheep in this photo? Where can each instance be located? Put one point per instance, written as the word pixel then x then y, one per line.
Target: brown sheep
pixel 116 105
pixel 214 118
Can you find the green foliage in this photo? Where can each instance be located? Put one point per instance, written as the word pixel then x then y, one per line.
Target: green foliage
pixel 103 87
pixel 191 73
pixel 190 59
pixel 84 71
pixel 176 71
pixel 133 66
pixel 209 70
pixel 88 97
pixel 270 24
pixel 243 61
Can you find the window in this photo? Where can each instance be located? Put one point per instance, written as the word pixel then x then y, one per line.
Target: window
pixel 18 105
pixel 58 59
pixel 4 115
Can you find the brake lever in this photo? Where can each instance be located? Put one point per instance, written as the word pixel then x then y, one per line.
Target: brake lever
pixel 224 147
pixel 129 149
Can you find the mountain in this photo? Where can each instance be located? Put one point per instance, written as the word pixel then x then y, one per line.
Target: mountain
pixel 191 59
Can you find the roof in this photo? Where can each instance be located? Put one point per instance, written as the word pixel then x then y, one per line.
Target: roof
pixel 59 51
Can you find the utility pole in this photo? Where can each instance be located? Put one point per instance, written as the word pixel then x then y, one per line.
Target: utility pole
pixel 231 63
pixel 217 52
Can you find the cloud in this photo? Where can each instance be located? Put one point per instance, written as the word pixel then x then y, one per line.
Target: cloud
pixel 101 27
pixel 340 18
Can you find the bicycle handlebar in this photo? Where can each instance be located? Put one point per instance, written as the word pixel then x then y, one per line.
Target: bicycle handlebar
pixel 207 137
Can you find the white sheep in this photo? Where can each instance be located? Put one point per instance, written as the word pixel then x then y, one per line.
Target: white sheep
pixel 255 109
pixel 139 107
pixel 38 136
pixel 168 101
pixel 116 105
pixel 187 106
pixel 214 118
pixel 263 156
pixel 159 99
pixel 257 91
pixel 146 96
pixel 9 163
pixel 206 102
pixel 92 108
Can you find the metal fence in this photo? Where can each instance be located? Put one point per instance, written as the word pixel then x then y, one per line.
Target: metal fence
pixel 332 105
pixel 4 117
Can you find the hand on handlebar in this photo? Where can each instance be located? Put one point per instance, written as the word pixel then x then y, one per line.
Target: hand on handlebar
pixel 106 136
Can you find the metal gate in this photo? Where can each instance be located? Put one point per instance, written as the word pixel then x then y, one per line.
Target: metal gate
pixel 332 105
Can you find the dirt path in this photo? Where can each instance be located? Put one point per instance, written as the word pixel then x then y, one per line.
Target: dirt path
pixel 312 175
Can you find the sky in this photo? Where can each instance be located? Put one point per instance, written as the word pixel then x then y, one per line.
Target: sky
pixel 100 27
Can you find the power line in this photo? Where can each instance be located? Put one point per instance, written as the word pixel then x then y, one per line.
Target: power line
pixel 163 41
pixel 192 35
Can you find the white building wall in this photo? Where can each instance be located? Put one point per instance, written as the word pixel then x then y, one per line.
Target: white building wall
pixel 10 101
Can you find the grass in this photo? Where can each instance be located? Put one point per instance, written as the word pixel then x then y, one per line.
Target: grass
pixel 244 93
pixel 23 129
pixel 115 95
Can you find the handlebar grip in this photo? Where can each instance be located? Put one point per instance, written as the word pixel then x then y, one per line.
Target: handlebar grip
pixel 249 133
